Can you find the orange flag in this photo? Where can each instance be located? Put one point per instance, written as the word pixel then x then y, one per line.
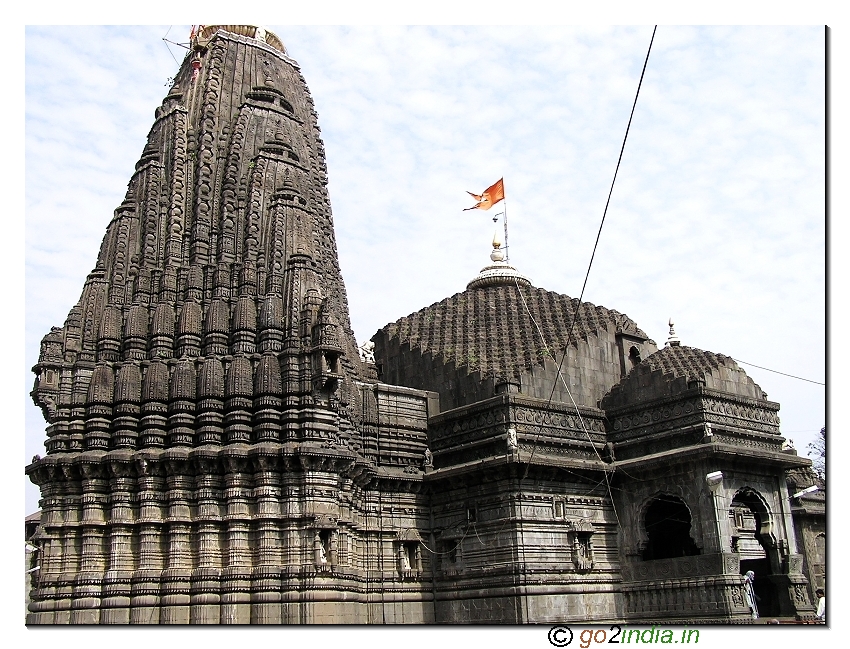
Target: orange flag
pixel 489 197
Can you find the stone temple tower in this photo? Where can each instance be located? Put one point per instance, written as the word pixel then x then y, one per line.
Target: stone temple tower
pixel 220 451
pixel 208 367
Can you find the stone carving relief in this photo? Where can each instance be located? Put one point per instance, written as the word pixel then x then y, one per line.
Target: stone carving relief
pixel 512 441
pixel 795 564
pixel 409 554
pixel 582 553
pixel 734 415
pixel 581 546
pixel 367 352
pixel 737 597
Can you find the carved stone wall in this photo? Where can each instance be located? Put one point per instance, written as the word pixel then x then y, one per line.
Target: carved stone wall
pixel 510 549
pixel 239 533
pixel 481 431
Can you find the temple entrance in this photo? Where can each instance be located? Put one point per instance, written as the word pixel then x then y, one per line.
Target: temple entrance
pixel 765 590
pixel 752 540
pixel 668 528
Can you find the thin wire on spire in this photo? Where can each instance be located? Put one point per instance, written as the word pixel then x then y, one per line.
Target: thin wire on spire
pixel 166 41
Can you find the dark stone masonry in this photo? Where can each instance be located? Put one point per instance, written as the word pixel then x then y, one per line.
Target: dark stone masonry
pixel 220 451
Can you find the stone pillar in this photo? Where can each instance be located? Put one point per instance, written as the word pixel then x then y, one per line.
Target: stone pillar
pixel 116 589
pixel 265 595
pixel 43 595
pixel 266 590
pixel 267 399
pixel 99 408
pixel 210 417
pixel 76 419
pixel 236 577
pixel 206 578
pixel 154 409
pixel 176 579
pixel 71 541
pixel 145 589
pixel 181 405
pixel 161 343
pixel 239 386
pixel 177 576
pixel 85 607
pixel 243 332
pixel 206 584
pixel 128 396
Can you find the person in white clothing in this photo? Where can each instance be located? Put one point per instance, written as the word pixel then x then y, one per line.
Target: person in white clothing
pixel 821 614
pixel 749 578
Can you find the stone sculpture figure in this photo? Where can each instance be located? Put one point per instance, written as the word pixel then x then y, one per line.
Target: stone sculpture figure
pixel 512 440
pixel 367 352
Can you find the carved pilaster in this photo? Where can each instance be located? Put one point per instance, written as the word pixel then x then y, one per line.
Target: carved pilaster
pixel 238 403
pixel 210 417
pixel 154 409
pixel 181 406
pixel 267 400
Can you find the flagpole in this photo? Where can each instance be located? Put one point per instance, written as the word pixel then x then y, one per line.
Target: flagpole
pixel 505 221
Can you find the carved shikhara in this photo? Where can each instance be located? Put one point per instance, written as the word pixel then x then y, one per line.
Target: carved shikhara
pixel 220 449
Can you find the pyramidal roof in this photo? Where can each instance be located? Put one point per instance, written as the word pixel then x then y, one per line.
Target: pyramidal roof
pixel 489 328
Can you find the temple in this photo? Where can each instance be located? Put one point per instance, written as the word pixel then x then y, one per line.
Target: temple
pixel 219 450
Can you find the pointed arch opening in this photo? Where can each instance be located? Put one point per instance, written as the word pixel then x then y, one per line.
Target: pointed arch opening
pixel 752 538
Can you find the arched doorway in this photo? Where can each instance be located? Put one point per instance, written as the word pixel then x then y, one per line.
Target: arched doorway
pixel 667 521
pixel 752 539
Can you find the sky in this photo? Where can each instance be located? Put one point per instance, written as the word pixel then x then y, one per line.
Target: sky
pixel 717 217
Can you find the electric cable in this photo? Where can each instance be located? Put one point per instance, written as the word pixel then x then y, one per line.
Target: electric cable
pixel 767 369
pixel 168 48
pixel 586 277
pixel 605 211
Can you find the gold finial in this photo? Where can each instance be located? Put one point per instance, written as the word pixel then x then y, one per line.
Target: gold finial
pixel 498 254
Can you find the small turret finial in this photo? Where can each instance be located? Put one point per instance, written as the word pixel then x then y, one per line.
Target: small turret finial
pixel 672 339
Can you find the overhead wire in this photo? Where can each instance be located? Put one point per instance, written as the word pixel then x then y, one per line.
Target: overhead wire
pixel 581 297
pixel 767 369
pixel 575 406
pixel 605 211
pixel 166 41
pixel 567 345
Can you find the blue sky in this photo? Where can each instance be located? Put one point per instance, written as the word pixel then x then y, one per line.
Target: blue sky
pixel 717 218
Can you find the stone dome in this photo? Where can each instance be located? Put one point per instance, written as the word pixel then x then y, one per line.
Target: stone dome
pixel 672 369
pixel 487 333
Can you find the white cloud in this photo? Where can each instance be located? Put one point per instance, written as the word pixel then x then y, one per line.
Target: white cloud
pixel 717 217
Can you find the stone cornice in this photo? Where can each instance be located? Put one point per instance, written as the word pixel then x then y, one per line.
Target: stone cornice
pixel 690 409
pixel 712 450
